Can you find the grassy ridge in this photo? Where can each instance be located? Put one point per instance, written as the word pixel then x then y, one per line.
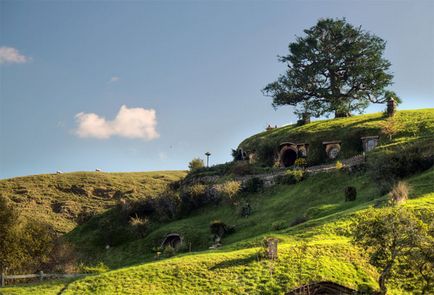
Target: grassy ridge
pixel 60 199
pixel 412 124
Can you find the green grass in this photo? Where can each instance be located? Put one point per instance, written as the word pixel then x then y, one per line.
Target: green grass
pixel 37 196
pixel 318 249
pixel 413 124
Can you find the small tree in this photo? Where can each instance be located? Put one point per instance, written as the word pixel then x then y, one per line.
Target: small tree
pixel 390 127
pixel 195 164
pixel 388 234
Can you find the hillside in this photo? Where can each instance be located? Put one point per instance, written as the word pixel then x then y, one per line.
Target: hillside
pixel 412 125
pixel 65 200
pixel 311 218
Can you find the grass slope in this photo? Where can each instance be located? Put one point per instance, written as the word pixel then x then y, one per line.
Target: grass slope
pixel 59 199
pixel 412 124
pixel 319 249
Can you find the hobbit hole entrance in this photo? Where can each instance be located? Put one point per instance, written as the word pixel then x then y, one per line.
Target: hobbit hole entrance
pixel 172 240
pixel 288 157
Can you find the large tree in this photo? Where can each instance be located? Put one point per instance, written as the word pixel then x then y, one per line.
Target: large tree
pixel 335 68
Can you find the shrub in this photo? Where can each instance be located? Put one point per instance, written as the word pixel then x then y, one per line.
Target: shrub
pixel 195 164
pixel 399 193
pixel 140 225
pixel 169 251
pixel 229 190
pixel 114 232
pixel 300 162
pixel 168 205
pixel 241 168
pixel 266 152
pixel 220 229
pixel 253 185
pixel 339 165
pixel 141 208
pixel 390 127
pixel 299 220
pixel 387 167
pixel 62 257
pixel 193 197
pixel 292 177
pixel 279 225
pixel 25 245
pixel 350 193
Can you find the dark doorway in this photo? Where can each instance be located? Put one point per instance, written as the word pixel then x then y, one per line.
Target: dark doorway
pixel 172 240
pixel 288 157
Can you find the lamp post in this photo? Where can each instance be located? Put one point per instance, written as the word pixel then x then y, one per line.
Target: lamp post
pixel 207 154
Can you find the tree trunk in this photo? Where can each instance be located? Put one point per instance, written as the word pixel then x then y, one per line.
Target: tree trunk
pixel 382 280
pixel 342 114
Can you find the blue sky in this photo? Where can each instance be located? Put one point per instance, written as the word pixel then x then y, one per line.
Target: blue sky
pixel 190 71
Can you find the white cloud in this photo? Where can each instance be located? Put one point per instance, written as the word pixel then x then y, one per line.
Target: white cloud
pixel 11 55
pixel 130 123
pixel 114 79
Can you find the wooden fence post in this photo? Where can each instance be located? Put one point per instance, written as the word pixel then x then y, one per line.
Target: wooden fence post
pixel 41 275
pixel 3 279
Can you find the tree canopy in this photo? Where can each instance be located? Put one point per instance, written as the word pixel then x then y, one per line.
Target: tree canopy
pixel 335 68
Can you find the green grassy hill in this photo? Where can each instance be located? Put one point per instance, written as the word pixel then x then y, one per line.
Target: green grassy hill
pixel 64 200
pixel 311 219
pixel 412 126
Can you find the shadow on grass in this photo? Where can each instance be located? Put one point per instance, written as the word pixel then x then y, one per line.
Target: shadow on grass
pixel 235 262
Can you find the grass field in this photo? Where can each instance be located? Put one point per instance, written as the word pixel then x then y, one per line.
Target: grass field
pixel 318 248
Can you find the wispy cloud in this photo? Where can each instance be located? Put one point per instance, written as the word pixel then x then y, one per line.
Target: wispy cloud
pixel 114 79
pixel 12 55
pixel 129 122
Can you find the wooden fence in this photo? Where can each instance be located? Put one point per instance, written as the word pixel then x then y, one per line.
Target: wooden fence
pixel 41 275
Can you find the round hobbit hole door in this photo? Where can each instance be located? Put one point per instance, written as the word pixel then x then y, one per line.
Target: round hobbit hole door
pixel 288 157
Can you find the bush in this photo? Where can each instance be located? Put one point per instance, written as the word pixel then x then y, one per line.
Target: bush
pixel 339 165
pixel 266 153
pixel 193 197
pixel 141 208
pixel 220 229
pixel 299 220
pixel 291 177
pixel 62 257
pixel 168 205
pixel 229 190
pixel 300 162
pixel 195 164
pixel 279 225
pixel 253 185
pixel 388 167
pixel 399 193
pixel 241 168
pixel 25 245
pixel 140 225
pixel 350 193
pixel 169 251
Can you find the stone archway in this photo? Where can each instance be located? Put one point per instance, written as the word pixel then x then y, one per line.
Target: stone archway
pixel 288 155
